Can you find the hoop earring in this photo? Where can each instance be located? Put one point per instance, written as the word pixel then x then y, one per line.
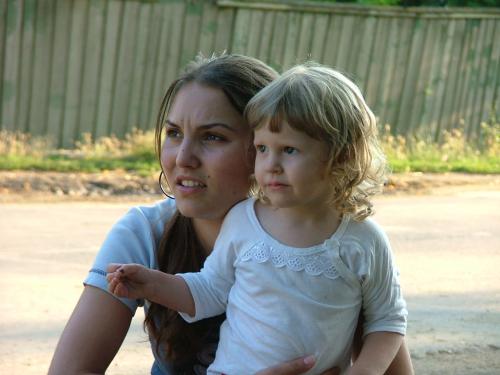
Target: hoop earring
pixel 161 186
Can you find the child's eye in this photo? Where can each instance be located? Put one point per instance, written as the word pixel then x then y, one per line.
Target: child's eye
pixel 260 148
pixel 289 150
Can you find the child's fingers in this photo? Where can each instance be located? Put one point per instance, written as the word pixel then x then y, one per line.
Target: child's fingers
pixel 120 290
pixel 112 267
pixel 112 284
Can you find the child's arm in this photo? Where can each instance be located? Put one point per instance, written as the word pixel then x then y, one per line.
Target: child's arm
pixel 136 281
pixel 377 353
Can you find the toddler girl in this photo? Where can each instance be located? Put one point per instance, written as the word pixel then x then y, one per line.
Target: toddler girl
pixel 294 267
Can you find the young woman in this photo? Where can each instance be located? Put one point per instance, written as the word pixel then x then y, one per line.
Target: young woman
pixel 208 167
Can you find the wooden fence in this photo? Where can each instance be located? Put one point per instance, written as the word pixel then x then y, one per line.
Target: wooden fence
pixel 98 66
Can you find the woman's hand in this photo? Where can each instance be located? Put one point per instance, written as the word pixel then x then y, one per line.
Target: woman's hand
pixel 296 367
pixel 129 280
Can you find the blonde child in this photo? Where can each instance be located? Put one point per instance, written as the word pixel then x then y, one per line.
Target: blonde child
pixel 294 267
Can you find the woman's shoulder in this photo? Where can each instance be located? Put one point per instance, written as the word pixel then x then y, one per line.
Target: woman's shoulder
pixel 152 217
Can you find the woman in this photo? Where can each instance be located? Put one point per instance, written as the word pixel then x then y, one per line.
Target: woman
pixel 205 148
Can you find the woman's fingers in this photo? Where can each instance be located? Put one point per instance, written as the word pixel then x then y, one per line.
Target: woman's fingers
pixel 333 371
pixel 294 367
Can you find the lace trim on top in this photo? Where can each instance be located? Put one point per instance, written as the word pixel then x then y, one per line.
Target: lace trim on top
pixel 313 264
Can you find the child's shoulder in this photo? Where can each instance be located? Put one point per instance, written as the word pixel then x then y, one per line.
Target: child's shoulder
pixel 240 211
pixel 367 230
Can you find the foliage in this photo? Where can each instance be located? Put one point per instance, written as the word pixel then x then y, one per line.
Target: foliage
pixel 427 3
pixel 452 154
pixel 136 153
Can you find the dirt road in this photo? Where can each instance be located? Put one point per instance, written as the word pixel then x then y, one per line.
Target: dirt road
pixel 447 247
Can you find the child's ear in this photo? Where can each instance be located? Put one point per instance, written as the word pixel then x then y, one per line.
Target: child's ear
pixel 251 153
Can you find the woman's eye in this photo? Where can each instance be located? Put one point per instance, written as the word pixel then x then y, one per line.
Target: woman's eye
pixel 173 133
pixel 260 148
pixel 289 150
pixel 214 137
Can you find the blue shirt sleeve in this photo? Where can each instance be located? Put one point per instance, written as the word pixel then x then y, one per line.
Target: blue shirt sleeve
pixel 133 239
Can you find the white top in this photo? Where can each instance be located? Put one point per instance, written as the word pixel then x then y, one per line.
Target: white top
pixel 283 302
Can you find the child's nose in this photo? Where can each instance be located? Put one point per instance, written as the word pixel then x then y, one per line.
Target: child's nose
pixel 274 164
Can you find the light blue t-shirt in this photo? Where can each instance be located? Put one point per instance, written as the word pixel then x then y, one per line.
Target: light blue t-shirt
pixel 134 238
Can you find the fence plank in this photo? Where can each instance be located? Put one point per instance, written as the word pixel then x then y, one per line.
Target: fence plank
pixel 224 33
pixel 319 39
pixel 490 106
pixel 361 67
pixel 173 58
pixel 3 32
pixel 75 72
pixel 423 78
pixel 148 103
pixel 208 29
pixel 26 62
pixel 389 66
pixel 453 79
pixel 305 37
pixel 123 84
pixel 44 33
pixel 278 41
pixel 241 32
pixel 332 40
pixel 342 56
pixel 397 80
pixel 10 94
pixel 266 37
pixel 59 70
pixel 112 26
pixel 483 56
pixel 410 80
pixel 290 53
pixel 192 20
pixel 92 67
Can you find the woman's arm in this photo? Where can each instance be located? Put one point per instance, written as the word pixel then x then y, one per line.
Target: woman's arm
pixel 92 336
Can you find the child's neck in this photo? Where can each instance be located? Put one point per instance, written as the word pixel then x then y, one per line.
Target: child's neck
pixel 298 226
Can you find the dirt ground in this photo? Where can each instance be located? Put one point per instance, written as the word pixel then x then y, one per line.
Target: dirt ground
pixel 443 228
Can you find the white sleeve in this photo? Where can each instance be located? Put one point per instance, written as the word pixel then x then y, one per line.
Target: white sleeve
pixel 384 308
pixel 210 287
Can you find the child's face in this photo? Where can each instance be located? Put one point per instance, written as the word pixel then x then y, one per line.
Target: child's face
pixel 291 168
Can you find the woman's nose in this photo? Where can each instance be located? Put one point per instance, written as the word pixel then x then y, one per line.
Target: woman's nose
pixel 187 155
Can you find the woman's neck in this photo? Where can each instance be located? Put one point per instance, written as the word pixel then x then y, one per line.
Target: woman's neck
pixel 207 232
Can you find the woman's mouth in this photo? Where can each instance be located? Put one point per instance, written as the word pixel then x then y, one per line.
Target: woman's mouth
pixel 186 186
pixel 190 183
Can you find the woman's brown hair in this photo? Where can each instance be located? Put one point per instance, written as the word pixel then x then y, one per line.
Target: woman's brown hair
pixel 179 250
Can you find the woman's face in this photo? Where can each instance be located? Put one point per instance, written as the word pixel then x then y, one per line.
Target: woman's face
pixel 207 154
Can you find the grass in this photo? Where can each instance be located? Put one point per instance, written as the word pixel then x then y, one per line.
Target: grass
pixel 135 153
pixel 453 154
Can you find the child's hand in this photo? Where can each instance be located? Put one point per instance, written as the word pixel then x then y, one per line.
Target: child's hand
pixel 129 280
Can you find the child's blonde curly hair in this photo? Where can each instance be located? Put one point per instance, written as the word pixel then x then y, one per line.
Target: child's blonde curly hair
pixel 327 106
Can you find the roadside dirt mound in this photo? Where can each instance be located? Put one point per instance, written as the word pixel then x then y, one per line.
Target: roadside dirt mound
pixel 118 185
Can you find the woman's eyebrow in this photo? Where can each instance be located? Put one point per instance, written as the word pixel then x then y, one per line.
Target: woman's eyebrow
pixel 207 126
